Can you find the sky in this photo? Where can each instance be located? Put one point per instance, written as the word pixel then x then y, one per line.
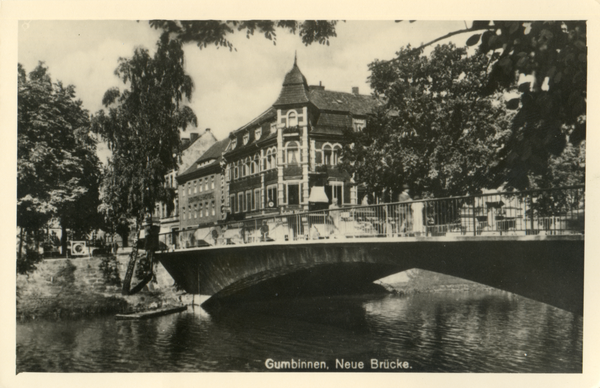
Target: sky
pixel 230 87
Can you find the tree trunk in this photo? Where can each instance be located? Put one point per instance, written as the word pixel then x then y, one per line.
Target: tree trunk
pixel 21 244
pixel 63 240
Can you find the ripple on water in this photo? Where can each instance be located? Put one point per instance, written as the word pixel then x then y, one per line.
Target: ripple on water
pixel 488 331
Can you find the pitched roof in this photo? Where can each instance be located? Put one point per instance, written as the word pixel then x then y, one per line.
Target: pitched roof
pixel 355 104
pixel 334 120
pixel 214 152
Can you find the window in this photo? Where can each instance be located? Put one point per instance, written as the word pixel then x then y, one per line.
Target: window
pixel 327 153
pixel 337 149
pixel 205 210
pixel 246 138
pixel 196 211
pixel 292 152
pixel 257 133
pixel 212 182
pixel 232 203
pixel 318 157
pixel 271 158
pixel 212 208
pixel 245 168
pixel 183 214
pixel 271 196
pixel 233 143
pixel 199 186
pixel 240 203
pixel 335 192
pixel 256 203
pixel 190 212
pixel 293 193
pixel 189 188
pixel 254 164
pixel 359 124
pixel 274 128
pixel 248 201
pixel 236 170
pixel 292 119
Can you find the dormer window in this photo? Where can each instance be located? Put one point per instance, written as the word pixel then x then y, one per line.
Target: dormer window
pixel 233 143
pixel 246 138
pixel 257 133
pixel 274 128
pixel 359 124
pixel 292 119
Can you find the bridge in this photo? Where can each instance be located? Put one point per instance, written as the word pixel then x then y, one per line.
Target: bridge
pixel 530 243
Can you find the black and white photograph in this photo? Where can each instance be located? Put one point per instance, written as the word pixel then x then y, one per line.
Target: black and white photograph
pixel 397 197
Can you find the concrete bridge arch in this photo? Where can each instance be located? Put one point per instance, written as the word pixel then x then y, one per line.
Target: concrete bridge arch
pixel 548 269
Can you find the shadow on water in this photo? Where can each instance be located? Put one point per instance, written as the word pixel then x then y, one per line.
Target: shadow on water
pixel 340 312
pixel 492 332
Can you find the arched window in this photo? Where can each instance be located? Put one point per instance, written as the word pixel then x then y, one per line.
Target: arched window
pixel 270 159
pixel 292 153
pixel 245 168
pixel 254 164
pixel 292 119
pixel 337 149
pixel 327 154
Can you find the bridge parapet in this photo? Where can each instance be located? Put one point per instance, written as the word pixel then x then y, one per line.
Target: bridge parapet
pixel 556 211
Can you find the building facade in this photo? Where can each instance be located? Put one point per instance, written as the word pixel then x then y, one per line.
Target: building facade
pixel 167 216
pixel 275 162
pixel 202 192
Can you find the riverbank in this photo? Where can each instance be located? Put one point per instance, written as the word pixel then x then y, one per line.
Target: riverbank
pixel 69 288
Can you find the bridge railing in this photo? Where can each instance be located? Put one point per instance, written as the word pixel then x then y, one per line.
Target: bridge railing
pixel 556 211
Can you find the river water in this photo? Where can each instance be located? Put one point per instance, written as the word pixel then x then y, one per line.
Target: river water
pixel 476 331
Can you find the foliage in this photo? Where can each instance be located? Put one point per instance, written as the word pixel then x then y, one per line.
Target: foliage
pixel 215 32
pixel 26 263
pixel 552 103
pixel 142 127
pixel 435 131
pixel 109 266
pixel 57 167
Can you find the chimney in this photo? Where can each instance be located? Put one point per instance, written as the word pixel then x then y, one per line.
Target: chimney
pixel 207 129
pixel 317 87
pixel 355 90
pixel 193 136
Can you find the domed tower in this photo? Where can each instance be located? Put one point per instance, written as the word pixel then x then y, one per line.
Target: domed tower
pixel 292 138
pixel 294 89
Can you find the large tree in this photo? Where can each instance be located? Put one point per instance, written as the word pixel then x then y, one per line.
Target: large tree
pixel 434 131
pixel 141 128
pixel 215 32
pixel 551 108
pixel 57 167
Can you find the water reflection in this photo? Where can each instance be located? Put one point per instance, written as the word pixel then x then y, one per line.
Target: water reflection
pixel 453 332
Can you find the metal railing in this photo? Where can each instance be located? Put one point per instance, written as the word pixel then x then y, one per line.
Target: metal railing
pixel 556 211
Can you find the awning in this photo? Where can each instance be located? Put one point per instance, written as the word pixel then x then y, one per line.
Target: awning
pixel 317 195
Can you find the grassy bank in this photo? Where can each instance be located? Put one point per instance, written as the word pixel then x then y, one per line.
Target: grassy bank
pixel 63 288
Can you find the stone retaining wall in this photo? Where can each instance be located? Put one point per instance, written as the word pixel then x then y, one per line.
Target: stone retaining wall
pixel 77 286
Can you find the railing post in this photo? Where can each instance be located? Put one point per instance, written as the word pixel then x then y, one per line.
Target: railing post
pixel 474 219
pixel 387 220
pixel 531 211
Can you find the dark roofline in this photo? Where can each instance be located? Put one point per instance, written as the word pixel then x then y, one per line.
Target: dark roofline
pixel 213 152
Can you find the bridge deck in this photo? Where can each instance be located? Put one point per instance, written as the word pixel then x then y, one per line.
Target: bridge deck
pixel 530 243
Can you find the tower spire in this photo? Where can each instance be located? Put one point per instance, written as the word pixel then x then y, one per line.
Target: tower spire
pixel 295 57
